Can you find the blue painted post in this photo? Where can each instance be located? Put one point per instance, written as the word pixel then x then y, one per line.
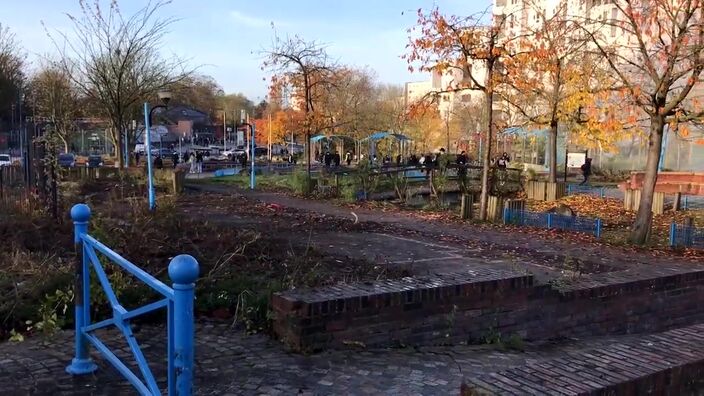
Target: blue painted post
pixel 602 192
pixel 506 216
pixel 127 150
pixel 150 179
pixel 673 234
pixel 252 176
pixel 549 220
pixel 569 189
pixel 685 202
pixel 597 232
pixel 183 271
pixel 81 363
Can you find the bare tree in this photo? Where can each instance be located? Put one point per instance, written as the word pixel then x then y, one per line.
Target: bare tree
pixel 114 60
pixel 306 68
pixel 655 48
pixel 56 99
pixel 11 73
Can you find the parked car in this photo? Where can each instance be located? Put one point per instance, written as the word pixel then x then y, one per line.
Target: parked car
pixel 67 160
pixel 94 161
pixel 5 160
pixel 163 152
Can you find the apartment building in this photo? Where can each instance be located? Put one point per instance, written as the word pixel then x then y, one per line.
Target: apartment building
pixel 445 90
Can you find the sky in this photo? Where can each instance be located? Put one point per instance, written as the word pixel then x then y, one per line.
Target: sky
pixel 224 39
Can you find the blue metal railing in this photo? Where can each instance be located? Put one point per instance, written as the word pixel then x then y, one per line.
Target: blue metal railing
pixel 178 300
pixel 687 236
pixel 573 189
pixel 552 220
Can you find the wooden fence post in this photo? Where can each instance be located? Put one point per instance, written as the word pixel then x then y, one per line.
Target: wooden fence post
pixel 658 203
pixel 466 207
pixel 495 208
pixel 677 205
pixel 555 191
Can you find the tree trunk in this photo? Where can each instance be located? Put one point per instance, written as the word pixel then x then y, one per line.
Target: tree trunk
pixel 486 158
pixel 552 147
pixel 307 153
pixel 641 227
pixel 118 142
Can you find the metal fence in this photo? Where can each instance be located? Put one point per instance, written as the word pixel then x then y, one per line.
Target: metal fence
pixel 574 189
pixel 686 236
pixel 552 220
pixel 183 271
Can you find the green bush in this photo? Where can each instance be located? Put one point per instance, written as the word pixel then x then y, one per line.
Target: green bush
pixel 301 184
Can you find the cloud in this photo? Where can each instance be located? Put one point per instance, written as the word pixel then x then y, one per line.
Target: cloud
pixel 249 20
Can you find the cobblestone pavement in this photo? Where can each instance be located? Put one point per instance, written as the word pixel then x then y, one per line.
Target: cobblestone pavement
pixel 229 362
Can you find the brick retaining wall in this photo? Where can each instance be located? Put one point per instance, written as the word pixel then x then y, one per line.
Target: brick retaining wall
pixel 468 307
pixel 670 363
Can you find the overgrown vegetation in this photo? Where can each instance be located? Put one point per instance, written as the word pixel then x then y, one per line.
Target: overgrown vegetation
pixel 240 267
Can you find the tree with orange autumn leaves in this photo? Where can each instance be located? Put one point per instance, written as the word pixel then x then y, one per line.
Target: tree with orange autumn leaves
pixel 656 53
pixel 282 122
pixel 550 79
pixel 304 69
pixel 443 44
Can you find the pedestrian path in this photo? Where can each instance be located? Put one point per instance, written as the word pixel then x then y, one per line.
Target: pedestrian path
pixel 229 362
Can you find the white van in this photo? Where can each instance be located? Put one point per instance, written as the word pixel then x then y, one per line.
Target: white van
pixel 5 160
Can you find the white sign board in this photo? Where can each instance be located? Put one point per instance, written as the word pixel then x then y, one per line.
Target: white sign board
pixel 576 160
pixel 240 138
pixel 155 133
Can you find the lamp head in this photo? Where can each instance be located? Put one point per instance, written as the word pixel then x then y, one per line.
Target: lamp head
pixel 165 97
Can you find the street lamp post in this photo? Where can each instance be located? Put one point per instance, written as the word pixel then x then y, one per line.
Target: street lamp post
pixel 252 177
pixel 165 97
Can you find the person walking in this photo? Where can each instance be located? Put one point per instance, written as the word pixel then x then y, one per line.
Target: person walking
pixel 174 159
pixel 199 162
pixel 192 162
pixel 502 162
pixel 348 158
pixel 586 170
pixel 158 163
pixel 462 159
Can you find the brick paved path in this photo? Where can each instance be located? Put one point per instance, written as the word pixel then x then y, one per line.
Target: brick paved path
pixel 229 362
pixel 528 244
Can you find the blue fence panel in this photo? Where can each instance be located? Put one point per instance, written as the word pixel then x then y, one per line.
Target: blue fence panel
pixel 524 218
pixel 573 189
pixel 552 220
pixel 178 300
pixel 682 235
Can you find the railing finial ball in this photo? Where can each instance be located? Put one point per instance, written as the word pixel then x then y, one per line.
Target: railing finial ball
pixel 80 213
pixel 183 269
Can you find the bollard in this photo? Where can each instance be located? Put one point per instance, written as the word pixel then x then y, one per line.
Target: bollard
pixel 183 271
pixel 466 207
pixel 81 363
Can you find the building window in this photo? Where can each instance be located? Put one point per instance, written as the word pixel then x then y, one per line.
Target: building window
pixel 446 98
pixel 614 14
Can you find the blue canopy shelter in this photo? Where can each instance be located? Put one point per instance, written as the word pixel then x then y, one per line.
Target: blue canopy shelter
pixel 402 140
pixel 319 139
